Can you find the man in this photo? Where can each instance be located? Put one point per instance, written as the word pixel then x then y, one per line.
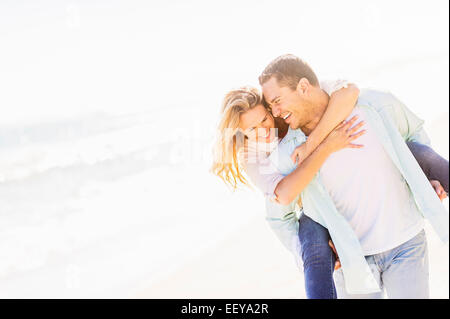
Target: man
pixel 372 200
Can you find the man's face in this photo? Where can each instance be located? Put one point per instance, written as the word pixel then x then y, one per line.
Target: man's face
pixel 286 103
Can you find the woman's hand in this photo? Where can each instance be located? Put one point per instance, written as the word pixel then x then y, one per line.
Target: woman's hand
pixel 337 264
pixel 300 153
pixel 343 135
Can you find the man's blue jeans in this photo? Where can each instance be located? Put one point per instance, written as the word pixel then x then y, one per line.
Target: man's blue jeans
pixel 318 259
pixel 402 272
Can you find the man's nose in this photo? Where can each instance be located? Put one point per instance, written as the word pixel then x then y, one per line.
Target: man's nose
pixel 276 111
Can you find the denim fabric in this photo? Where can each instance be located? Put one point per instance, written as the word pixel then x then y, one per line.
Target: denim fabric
pixel 433 165
pixel 402 272
pixel 318 259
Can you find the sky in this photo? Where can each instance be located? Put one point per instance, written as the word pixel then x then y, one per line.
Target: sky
pixel 61 58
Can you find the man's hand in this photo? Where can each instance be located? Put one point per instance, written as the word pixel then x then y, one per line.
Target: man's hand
pixel 337 264
pixel 438 189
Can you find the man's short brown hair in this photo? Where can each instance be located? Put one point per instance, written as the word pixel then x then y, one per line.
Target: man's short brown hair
pixel 288 70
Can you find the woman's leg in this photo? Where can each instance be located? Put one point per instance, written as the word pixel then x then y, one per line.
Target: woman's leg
pixel 433 165
pixel 318 259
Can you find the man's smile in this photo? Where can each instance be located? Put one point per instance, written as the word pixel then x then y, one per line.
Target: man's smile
pixel 286 116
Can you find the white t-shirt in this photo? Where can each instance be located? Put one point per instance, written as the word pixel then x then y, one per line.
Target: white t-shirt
pixel 370 192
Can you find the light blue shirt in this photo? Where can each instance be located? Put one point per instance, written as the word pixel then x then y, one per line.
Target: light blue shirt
pixel 394 124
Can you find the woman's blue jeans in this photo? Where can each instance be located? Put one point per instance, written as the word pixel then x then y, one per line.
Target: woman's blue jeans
pixel 319 259
pixel 433 165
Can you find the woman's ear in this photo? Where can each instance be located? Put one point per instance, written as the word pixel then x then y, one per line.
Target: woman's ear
pixel 303 86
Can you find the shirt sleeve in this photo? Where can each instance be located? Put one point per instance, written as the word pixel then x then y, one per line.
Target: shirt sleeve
pixel 409 124
pixel 264 175
pixel 331 86
pixel 283 221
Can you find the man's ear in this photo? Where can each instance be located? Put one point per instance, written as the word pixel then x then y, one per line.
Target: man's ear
pixel 303 86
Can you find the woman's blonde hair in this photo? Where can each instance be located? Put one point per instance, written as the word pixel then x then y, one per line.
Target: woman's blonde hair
pixel 230 139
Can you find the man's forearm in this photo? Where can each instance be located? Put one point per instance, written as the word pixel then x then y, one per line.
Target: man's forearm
pixel 290 186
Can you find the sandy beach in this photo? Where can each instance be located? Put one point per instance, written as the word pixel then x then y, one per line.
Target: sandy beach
pixel 251 263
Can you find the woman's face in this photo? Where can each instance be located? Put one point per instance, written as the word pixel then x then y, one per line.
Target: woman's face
pixel 258 124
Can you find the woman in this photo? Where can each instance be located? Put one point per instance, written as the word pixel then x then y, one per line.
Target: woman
pixel 248 128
